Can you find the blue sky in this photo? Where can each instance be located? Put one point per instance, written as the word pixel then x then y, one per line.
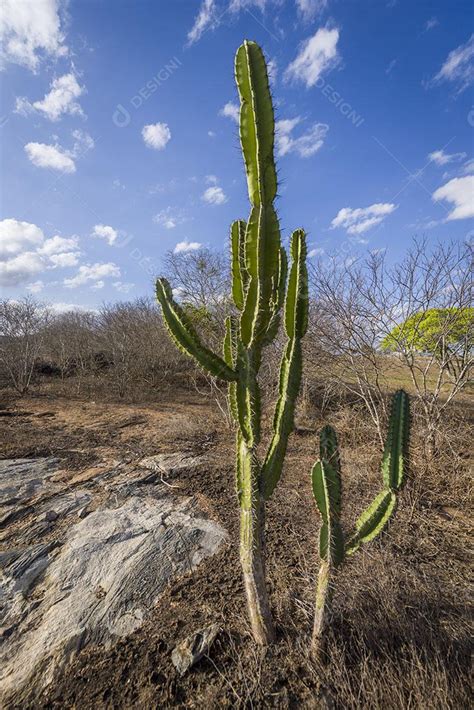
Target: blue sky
pixel 119 139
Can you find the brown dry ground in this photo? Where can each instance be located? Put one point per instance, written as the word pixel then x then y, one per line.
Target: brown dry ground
pixel 401 631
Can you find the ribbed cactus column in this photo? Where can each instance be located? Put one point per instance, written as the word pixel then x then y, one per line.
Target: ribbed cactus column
pixel 327 491
pixel 260 291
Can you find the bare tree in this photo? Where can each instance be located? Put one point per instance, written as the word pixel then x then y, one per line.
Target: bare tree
pixel 22 327
pixel 359 323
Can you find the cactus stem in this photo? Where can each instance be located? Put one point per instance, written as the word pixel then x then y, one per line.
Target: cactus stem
pixel 322 612
pixel 252 546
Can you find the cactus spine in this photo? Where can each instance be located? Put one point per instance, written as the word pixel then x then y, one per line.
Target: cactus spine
pixel 260 291
pixel 326 485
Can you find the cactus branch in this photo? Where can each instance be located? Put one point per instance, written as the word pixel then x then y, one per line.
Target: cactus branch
pixel 185 336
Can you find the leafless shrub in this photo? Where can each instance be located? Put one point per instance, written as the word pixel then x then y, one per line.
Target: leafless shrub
pixel 22 326
pixel 359 308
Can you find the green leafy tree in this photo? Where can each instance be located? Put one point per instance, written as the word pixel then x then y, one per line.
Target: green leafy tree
pixel 445 333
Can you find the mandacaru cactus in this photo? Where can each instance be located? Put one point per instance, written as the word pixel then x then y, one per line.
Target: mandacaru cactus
pixel 261 291
pixel 327 491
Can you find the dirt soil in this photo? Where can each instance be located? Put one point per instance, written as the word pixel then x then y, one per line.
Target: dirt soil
pixel 400 634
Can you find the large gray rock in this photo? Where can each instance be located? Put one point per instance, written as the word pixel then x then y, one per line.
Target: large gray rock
pixel 97 581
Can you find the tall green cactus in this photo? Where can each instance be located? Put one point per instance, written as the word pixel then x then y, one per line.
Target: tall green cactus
pixel 326 485
pixel 260 292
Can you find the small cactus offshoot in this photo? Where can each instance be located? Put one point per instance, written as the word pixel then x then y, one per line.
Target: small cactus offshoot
pixel 327 491
pixel 262 291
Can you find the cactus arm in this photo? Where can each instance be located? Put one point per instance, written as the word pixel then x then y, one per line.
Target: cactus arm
pixel 186 338
pixel 393 461
pixel 296 306
pixel 278 298
pixel 327 488
pixel 376 516
pixel 373 520
pixel 262 239
pixel 326 484
pixel 257 125
pixel 239 276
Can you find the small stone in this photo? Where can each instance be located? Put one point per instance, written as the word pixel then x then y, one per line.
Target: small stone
pixel 83 512
pixel 51 516
pixel 189 651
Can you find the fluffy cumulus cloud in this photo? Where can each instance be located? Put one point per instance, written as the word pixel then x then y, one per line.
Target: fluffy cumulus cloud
pixel 460 193
pixel 156 135
pixel 93 274
pixel 214 195
pixel 441 158
pixel 61 99
pixel 24 252
pixel 50 156
pixel 104 231
pixel 458 67
pixel 230 110
pixel 31 30
pixel 360 220
pixel 18 236
pixel 55 157
pixel 317 55
pixel 306 144
pixel 183 247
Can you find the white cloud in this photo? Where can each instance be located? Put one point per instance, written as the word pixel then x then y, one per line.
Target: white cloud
pixel 18 236
pixel 230 110
pixel 359 220
pixel 308 9
pixel 59 245
pixel 92 272
pixel 123 287
pixel 317 55
pixel 468 167
pixel 56 157
pixel 460 192
pixel 156 135
pixel 315 252
pixel 211 134
pixel 168 219
pixel 104 231
pixel 60 100
pixel 82 143
pixel 182 247
pixel 206 18
pixel 441 158
pixel 459 66
pixel 214 195
pixel 25 252
pixel 212 179
pixel 306 145
pixel 50 156
pixel 20 268
pixel 35 287
pixel 29 30
pixel 69 258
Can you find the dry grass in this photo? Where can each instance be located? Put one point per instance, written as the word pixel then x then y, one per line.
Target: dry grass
pixel 401 631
